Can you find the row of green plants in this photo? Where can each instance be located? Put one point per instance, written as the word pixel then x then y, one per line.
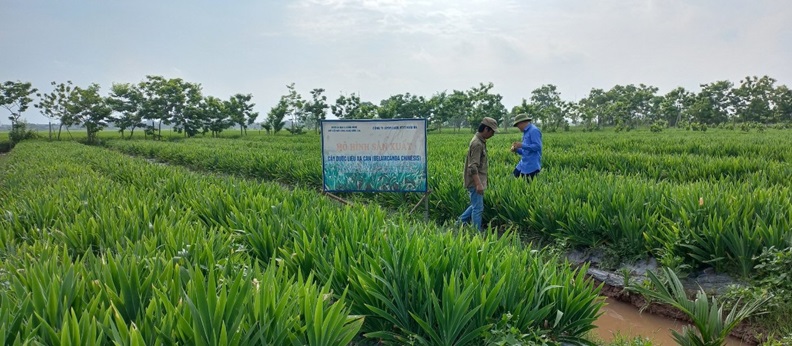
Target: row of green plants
pixel 673 156
pixel 99 248
pixel 772 146
pixel 679 168
pixel 585 197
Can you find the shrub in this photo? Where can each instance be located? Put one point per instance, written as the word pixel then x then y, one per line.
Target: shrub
pixel 659 125
pixel 296 130
pixel 19 132
pixel 6 146
pixel 698 127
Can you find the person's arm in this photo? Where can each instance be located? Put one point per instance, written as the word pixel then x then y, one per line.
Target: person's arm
pixel 474 163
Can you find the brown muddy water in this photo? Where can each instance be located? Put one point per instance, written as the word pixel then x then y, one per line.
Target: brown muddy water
pixel 626 320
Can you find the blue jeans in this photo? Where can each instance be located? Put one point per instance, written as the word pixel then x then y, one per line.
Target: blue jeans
pixel 474 211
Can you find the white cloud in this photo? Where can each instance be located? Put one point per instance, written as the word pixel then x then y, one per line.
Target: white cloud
pixel 341 19
pixel 385 47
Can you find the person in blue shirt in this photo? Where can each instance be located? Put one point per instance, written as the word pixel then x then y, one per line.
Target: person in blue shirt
pixel 530 149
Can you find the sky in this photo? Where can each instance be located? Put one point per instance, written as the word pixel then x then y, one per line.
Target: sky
pixel 379 48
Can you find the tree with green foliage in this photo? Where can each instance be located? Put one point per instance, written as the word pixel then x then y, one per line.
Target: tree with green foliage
pixel 240 109
pixel 173 102
pixel 547 105
pixel 714 104
pixel 403 106
pixel 366 110
pixel 627 106
pixel 458 104
pixel 15 97
pixel 216 115
pixel 483 103
pixel 647 103
pixel 276 115
pixel 295 110
pixel 89 109
pixel 674 106
pixel 523 107
pixel 389 108
pixel 439 112
pixel 782 97
pixel 160 101
pixel 127 100
pixel 191 120
pixel 53 105
pixel 414 107
pixel 571 110
pixel 347 107
pixel 316 108
pixel 592 109
pixel 754 100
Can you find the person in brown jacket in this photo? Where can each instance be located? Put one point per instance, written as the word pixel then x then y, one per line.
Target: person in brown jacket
pixel 476 172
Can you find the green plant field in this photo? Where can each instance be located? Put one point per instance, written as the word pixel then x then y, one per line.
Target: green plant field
pixel 100 248
pixel 691 199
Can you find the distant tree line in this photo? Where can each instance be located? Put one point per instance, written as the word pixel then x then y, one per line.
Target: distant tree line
pixel 754 100
pixel 181 105
pixel 147 105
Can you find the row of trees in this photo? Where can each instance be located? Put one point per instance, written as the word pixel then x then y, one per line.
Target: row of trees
pixel 455 109
pixel 754 100
pixel 156 101
pixel 148 104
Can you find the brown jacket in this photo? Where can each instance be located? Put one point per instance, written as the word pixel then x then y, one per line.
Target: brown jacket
pixel 476 162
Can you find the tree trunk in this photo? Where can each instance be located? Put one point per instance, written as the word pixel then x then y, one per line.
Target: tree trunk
pixel 89 129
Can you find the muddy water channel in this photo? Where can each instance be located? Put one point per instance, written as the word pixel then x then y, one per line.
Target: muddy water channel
pixel 624 319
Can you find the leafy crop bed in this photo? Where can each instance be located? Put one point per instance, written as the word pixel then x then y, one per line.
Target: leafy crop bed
pixel 690 199
pixel 100 248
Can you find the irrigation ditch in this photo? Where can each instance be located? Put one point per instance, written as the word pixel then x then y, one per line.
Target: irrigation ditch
pixel 619 299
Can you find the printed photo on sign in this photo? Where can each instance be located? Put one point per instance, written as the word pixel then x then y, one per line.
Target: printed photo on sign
pixel 374 155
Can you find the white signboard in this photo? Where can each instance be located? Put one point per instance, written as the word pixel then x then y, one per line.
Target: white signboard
pixel 374 155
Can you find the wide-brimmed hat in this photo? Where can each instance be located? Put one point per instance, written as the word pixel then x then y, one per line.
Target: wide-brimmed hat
pixel 491 123
pixel 521 117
